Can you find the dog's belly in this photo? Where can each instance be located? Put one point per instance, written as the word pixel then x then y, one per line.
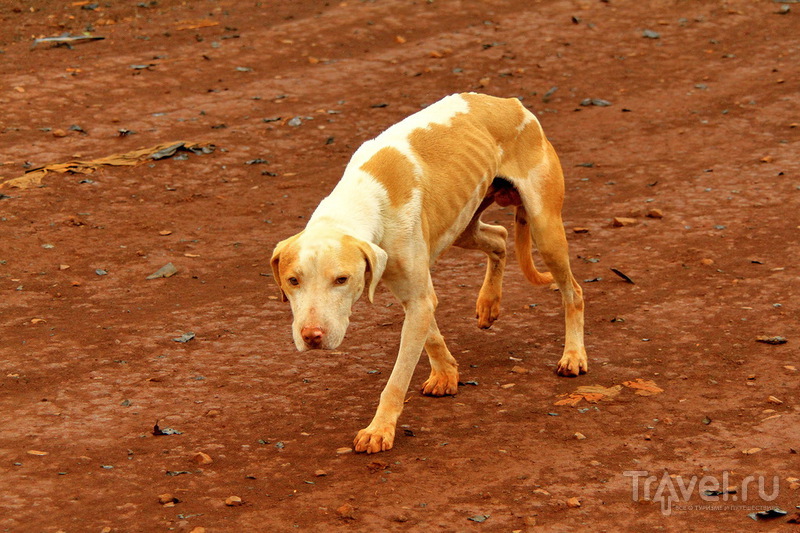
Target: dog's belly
pixel 440 242
pixel 458 166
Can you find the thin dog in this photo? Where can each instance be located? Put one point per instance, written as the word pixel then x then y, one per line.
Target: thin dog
pixel 406 196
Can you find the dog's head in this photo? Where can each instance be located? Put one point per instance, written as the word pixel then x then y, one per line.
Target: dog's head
pixel 321 274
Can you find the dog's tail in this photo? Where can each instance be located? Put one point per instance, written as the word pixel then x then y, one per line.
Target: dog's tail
pixel 522 243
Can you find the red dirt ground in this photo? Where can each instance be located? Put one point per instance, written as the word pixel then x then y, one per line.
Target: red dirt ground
pixel 702 126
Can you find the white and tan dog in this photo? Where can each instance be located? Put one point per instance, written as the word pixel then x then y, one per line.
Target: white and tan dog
pixel 405 197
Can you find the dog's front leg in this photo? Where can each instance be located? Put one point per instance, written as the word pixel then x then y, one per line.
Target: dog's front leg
pixel 379 435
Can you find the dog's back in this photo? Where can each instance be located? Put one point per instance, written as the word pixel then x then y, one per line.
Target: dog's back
pixel 436 165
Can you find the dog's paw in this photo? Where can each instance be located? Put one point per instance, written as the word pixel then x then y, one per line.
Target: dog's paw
pixel 573 363
pixel 374 439
pixel 441 383
pixel 487 310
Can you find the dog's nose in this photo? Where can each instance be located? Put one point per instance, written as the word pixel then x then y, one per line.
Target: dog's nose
pixel 312 336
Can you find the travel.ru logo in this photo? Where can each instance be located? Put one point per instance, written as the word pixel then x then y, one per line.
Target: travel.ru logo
pixel 675 490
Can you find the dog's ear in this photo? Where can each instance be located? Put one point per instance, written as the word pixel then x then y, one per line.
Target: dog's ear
pixel 275 262
pixel 376 263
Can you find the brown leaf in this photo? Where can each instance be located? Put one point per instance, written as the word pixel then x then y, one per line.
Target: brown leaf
pixel 590 393
pixel 622 275
pixel 33 178
pixel 166 271
pixel 196 24
pixel 376 466
pixel 766 339
pixel 572 400
pixel 644 387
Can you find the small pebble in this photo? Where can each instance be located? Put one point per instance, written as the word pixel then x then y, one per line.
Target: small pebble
pixel 346 511
pixel 166 498
pixel 574 502
pixel 233 501
pixel 619 222
pixel 202 458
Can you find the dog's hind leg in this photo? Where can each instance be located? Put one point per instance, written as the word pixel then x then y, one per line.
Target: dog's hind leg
pixel 491 240
pixel 542 207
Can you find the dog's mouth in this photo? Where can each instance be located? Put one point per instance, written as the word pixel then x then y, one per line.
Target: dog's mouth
pixel 316 338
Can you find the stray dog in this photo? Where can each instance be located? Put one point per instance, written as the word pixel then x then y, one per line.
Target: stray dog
pixel 405 197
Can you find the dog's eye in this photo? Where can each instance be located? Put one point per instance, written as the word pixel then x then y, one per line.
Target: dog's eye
pixel 341 280
pixel 293 281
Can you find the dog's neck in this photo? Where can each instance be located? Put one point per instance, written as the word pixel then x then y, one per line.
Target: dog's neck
pixel 351 209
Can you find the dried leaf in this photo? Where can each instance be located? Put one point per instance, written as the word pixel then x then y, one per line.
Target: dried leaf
pixel 186 337
pixel 196 24
pixel 644 387
pixel 37 452
pixel 590 393
pixel 768 514
pixel 33 177
pixel 377 466
pixel 158 431
pixel 771 340
pixel 622 275
pixel 164 272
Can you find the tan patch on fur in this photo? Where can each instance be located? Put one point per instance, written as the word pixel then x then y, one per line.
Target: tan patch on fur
pixel 283 259
pixel 394 171
pixel 552 187
pixel 500 118
pixel 455 158
pixel 524 153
